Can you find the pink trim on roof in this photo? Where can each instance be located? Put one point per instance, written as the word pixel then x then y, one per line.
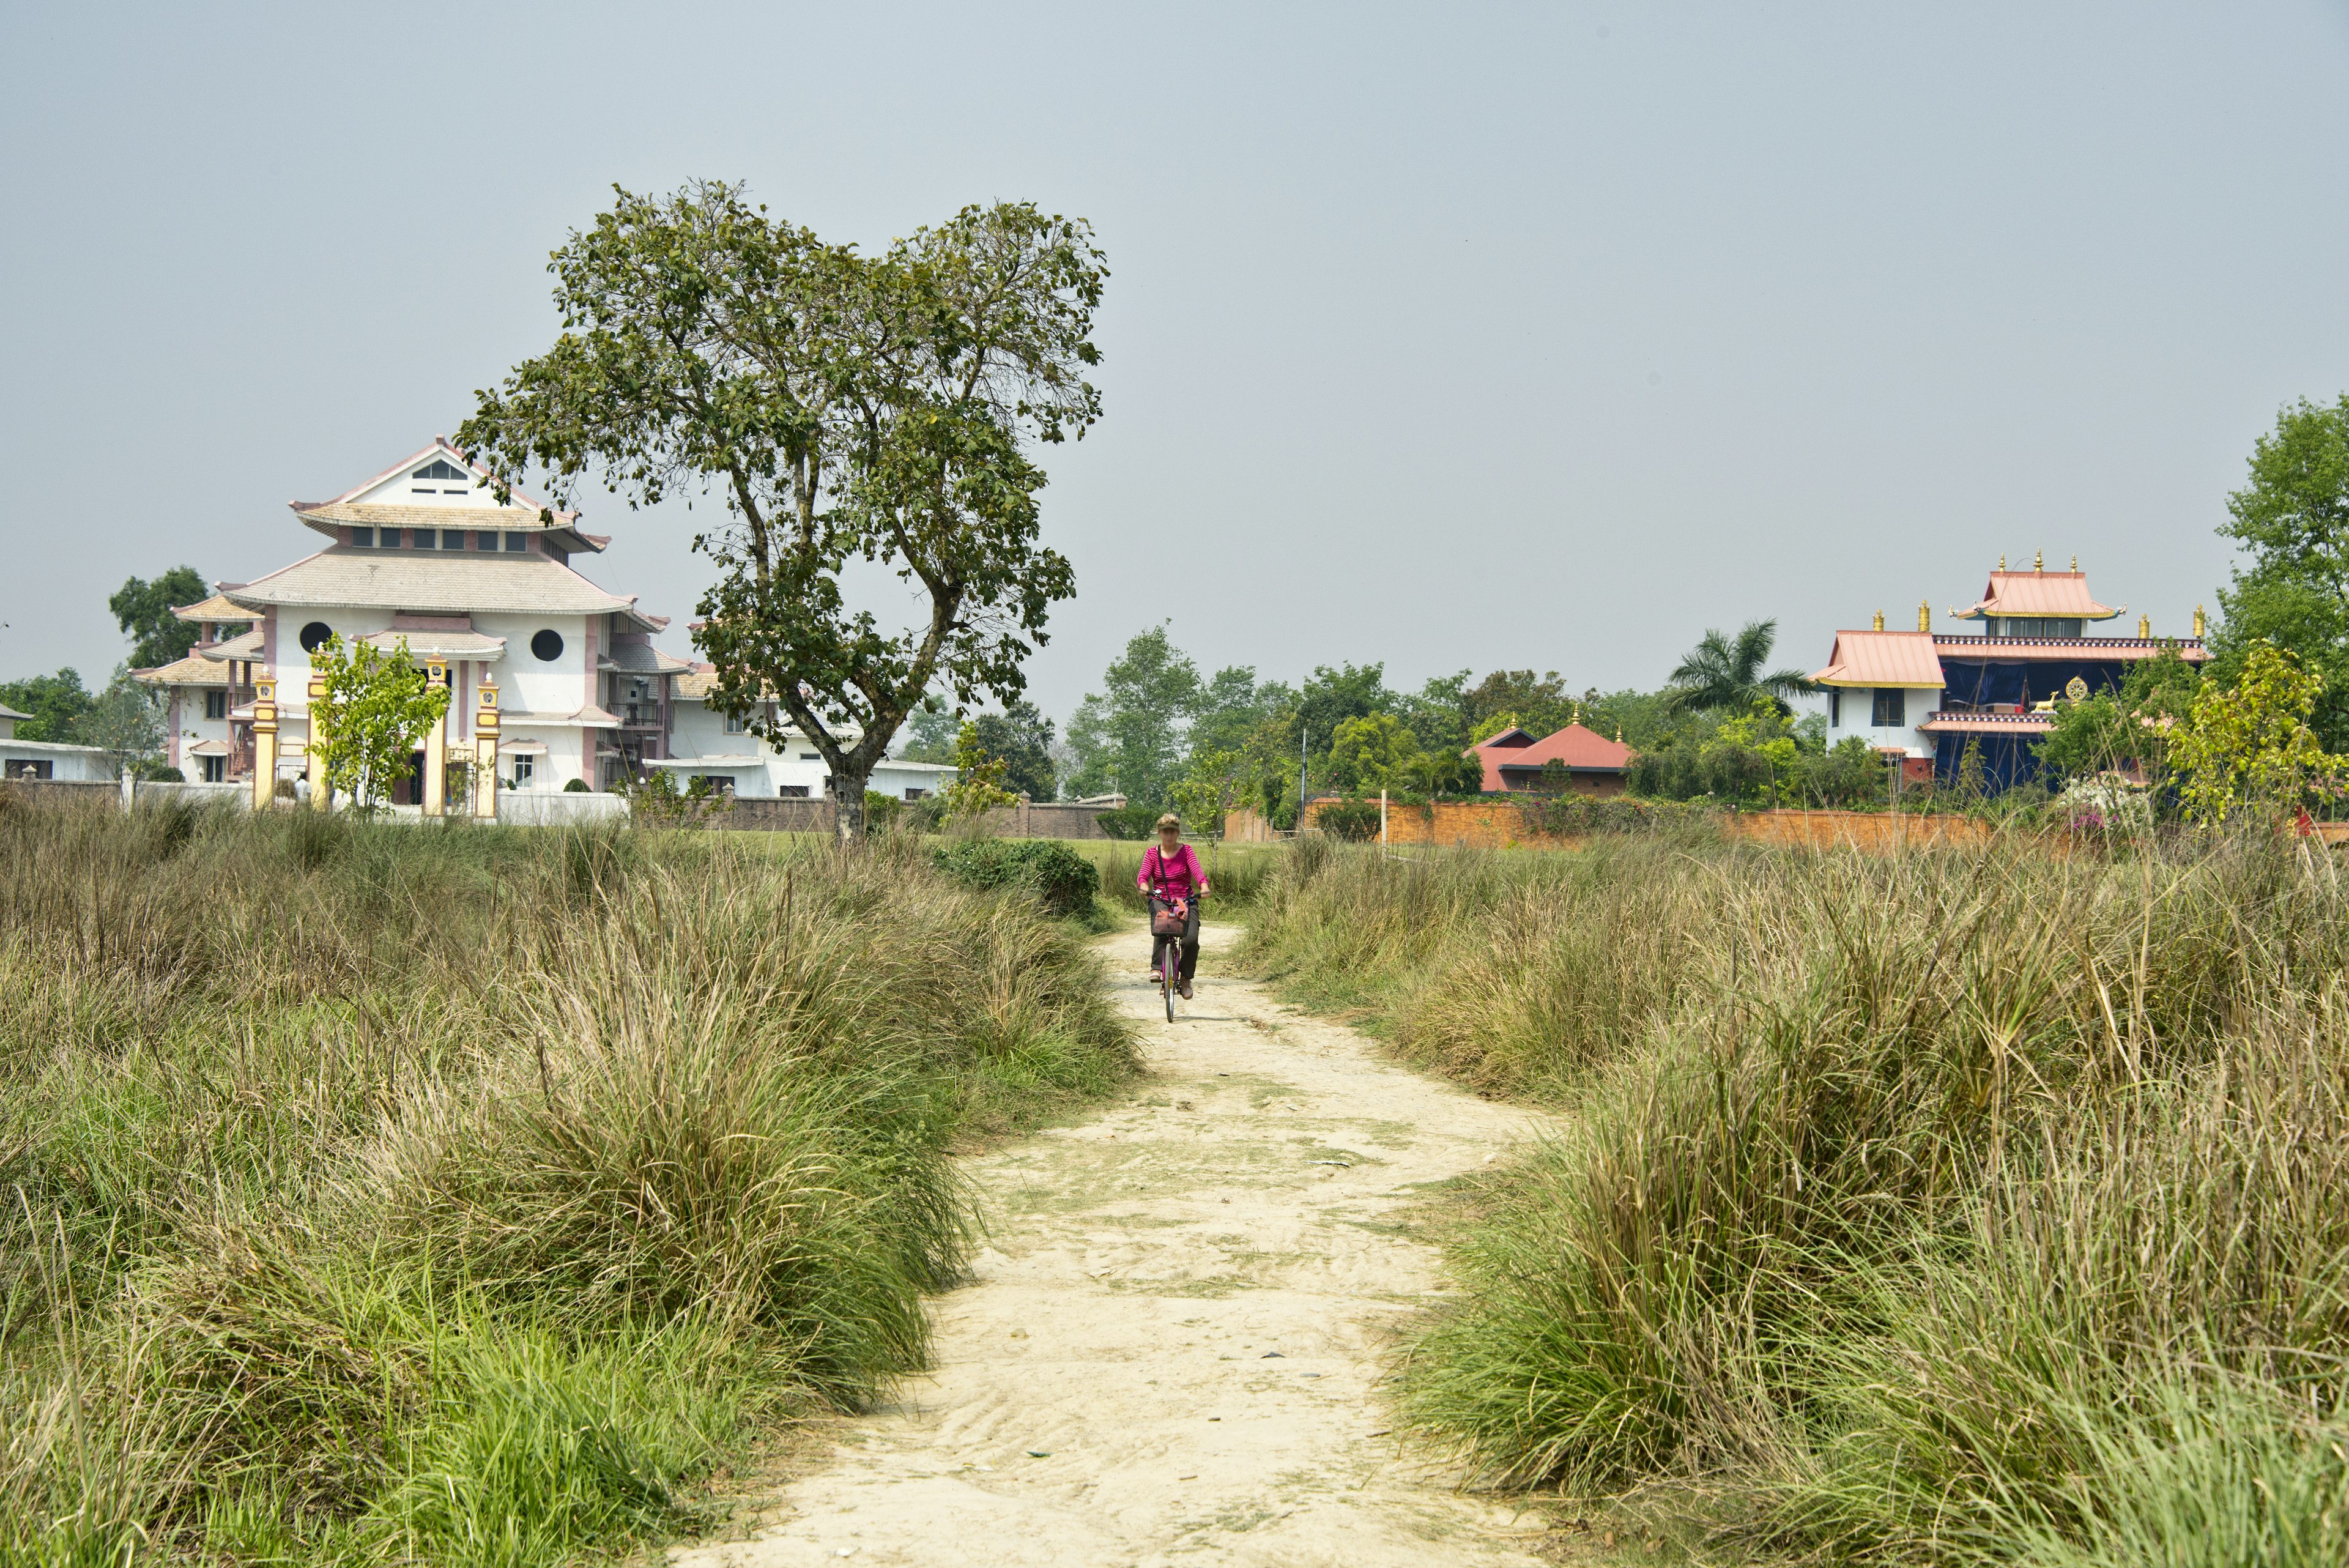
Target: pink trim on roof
pixel 2061 594
pixel 1882 659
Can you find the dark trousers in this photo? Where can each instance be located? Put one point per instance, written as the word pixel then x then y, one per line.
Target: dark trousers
pixel 1189 945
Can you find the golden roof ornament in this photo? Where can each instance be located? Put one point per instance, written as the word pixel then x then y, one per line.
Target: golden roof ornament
pixel 2076 563
pixel 2145 627
pixel 2198 620
pixel 1924 615
pixel 1879 620
pixel 2038 562
pixel 2001 560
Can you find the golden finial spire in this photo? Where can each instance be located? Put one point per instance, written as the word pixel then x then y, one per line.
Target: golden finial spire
pixel 2145 626
pixel 2198 620
pixel 2001 560
pixel 2076 563
pixel 1619 734
pixel 1924 615
pixel 1879 620
pixel 2038 562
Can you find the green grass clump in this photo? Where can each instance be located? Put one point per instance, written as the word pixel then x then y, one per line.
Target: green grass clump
pixel 1062 880
pixel 383 1193
pixel 1946 1206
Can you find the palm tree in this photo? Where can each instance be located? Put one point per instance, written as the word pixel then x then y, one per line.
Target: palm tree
pixel 1726 672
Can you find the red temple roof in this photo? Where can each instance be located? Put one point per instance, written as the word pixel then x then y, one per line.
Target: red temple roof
pixel 1578 749
pixel 1882 659
pixel 2060 594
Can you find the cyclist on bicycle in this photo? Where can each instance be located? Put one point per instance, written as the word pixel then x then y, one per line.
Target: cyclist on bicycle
pixel 1171 873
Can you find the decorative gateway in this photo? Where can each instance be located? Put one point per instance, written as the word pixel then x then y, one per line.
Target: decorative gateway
pixel 1925 695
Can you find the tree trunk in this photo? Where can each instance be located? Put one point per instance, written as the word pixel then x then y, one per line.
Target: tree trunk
pixel 848 797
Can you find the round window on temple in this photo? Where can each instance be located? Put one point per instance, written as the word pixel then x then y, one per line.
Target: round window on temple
pixel 547 645
pixel 314 636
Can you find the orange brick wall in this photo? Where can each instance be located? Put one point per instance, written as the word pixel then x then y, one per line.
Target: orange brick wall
pixel 1494 824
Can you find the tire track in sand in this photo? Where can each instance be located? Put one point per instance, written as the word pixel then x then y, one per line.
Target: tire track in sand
pixel 1185 1306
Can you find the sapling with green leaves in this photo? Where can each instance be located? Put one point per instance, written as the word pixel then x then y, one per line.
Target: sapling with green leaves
pixel 376 706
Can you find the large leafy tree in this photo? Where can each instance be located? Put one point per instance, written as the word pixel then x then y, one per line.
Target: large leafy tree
pixel 1021 739
pixel 1725 673
pixel 845 409
pixel 143 610
pixel 2292 591
pixel 1129 737
pixel 53 703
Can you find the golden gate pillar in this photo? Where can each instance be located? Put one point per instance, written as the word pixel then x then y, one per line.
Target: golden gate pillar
pixel 435 746
pixel 265 743
pixel 314 765
pixel 485 751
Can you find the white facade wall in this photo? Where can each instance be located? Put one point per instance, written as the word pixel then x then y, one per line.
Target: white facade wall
pixel 1857 718
pixel 699 743
pixel 190 727
pixel 526 683
pixel 62 761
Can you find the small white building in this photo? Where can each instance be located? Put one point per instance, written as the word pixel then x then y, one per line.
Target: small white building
pixel 705 744
pixel 1881 685
pixel 50 759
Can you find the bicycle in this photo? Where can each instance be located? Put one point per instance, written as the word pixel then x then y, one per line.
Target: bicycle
pixel 1170 920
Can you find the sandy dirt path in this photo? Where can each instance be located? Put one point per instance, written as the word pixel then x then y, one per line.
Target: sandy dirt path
pixel 1173 1346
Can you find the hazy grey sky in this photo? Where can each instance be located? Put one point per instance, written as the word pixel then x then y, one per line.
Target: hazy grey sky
pixel 1446 336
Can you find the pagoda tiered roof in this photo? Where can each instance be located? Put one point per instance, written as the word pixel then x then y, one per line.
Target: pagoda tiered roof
pixel 2063 594
pixel 218 608
pixel 381 502
pixel 429 581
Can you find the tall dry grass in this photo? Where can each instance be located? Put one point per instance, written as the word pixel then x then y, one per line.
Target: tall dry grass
pixel 456 1197
pixel 1941 1208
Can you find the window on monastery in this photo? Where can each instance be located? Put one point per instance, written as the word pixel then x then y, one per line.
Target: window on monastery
pixel 1835 709
pixel 363 538
pixel 424 537
pixel 733 725
pixel 1891 706
pixel 215 704
pixel 439 468
pixel 524 770
pixel 514 546
pixel 791 792
pixel 547 645
pixel 215 769
pixel 810 756
pixel 917 795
